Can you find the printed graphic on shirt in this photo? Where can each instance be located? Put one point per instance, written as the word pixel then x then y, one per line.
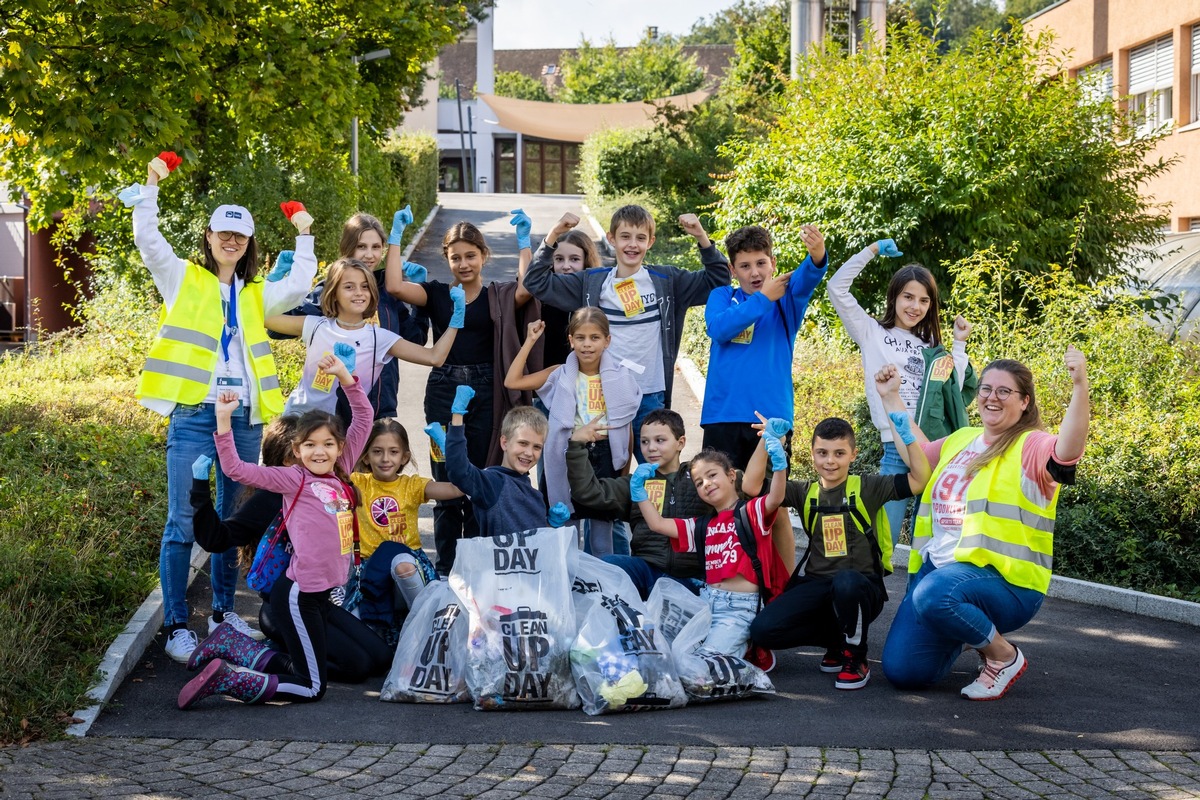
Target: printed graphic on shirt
pixel 656 490
pixel 385 512
pixel 949 494
pixel 631 300
pixel 833 530
pixel 745 337
pixel 912 365
pixel 330 497
pixel 721 546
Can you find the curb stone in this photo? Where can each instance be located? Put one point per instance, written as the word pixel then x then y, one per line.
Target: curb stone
pixel 129 646
pixel 1130 601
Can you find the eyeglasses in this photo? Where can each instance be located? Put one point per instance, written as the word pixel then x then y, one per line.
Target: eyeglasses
pixel 238 238
pixel 1002 392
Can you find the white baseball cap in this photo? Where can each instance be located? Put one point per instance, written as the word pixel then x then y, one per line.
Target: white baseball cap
pixel 232 218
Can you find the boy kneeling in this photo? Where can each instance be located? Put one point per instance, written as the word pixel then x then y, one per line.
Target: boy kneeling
pixel 837 589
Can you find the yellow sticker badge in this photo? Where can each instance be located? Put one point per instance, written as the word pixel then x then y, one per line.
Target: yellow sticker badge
pixel 833 530
pixel 942 369
pixel 745 337
pixel 323 381
pixel 631 300
pixel 345 520
pixel 656 490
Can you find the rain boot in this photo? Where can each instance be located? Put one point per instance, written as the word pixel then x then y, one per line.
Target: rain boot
pixel 230 644
pixel 239 683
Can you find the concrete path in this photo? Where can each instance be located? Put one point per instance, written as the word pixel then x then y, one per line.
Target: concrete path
pixel 1107 709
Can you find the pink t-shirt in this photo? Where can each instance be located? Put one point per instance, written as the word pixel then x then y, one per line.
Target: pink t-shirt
pixel 723 554
pixel 320 521
pixel 948 497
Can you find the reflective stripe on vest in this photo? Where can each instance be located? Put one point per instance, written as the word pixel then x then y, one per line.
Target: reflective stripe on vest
pixel 1017 538
pixel 184 354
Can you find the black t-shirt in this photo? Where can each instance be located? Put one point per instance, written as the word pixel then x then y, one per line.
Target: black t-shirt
pixel 855 551
pixel 473 345
pixel 555 336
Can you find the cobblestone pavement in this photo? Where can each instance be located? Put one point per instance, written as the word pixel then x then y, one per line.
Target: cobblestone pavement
pixel 170 768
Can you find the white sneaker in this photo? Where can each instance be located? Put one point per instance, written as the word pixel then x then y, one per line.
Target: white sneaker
pixel 180 645
pixel 993 682
pixel 238 624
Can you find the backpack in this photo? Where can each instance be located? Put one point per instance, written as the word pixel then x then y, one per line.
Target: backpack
pixel 767 591
pixel 879 533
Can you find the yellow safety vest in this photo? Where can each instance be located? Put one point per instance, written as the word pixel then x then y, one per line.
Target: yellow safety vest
pixel 184 354
pixel 1001 527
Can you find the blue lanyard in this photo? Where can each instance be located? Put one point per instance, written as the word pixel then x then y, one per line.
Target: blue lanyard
pixel 230 328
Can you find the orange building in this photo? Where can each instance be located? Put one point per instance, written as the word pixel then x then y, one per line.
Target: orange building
pixel 1147 54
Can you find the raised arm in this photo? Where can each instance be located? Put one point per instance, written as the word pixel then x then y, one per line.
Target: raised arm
pixel 637 493
pixel 395 279
pixel 436 356
pixel 515 378
pixel 887 383
pixel 724 319
pixel 1072 434
pixel 565 292
pixel 523 225
pixel 693 288
pixel 165 267
pixel 855 320
pixel 286 324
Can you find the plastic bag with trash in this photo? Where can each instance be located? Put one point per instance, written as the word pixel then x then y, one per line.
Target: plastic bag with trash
pixel 516 588
pixel 430 665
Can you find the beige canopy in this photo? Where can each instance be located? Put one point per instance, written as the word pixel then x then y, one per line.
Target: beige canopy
pixel 574 122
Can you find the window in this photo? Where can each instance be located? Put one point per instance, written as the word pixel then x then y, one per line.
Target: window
pixel 1194 225
pixel 1195 74
pixel 1150 84
pixel 1096 81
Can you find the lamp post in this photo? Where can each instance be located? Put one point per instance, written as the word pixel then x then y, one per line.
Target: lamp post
pixel 374 55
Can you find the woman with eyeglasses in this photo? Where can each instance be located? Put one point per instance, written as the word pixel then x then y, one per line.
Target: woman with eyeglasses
pixel 211 339
pixel 984 539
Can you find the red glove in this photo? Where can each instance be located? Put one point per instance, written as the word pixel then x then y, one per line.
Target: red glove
pixel 296 214
pixel 165 163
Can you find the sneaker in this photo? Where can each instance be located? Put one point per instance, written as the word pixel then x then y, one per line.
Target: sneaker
pixel 237 623
pixel 180 644
pixel 854 673
pixel 337 595
pixel 832 661
pixel 761 657
pixel 994 681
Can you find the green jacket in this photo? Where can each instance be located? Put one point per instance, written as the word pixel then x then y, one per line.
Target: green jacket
pixel 942 406
pixel 680 501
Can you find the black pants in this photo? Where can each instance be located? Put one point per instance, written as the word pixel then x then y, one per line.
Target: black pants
pixel 737 440
pixel 354 652
pixel 830 612
pixel 455 519
pixel 301 617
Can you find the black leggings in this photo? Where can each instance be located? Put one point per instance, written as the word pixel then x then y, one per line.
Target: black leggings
pixel 830 612
pixel 353 653
pixel 301 617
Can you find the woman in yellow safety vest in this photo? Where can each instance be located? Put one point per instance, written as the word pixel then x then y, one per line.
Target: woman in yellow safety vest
pixel 211 338
pixel 984 537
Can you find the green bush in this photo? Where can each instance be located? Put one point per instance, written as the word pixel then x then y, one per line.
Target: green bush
pixel 414 160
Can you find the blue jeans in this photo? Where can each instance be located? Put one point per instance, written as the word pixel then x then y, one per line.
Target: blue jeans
pixel 892 464
pixel 189 435
pixel 644 574
pixel 455 519
pixel 946 608
pixel 650 402
pixel 732 613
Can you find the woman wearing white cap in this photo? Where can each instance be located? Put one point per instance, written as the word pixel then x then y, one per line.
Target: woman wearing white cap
pixel 211 339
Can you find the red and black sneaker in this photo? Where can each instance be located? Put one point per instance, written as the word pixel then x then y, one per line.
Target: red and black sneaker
pixel 761 657
pixel 832 661
pixel 855 673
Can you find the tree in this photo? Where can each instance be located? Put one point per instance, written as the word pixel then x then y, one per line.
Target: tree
pixel 953 21
pixel 1023 8
pixel 762 62
pixel 949 154
pixel 521 86
pixel 92 90
pixel 607 74
pixel 726 26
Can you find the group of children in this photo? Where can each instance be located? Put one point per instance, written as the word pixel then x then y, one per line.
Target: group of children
pixel 597 346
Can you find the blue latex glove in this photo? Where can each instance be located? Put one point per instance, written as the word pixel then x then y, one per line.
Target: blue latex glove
pixel 201 466
pixel 400 220
pixel 523 224
pixel 345 353
pixel 558 515
pixel 415 272
pixel 437 434
pixel 775 452
pixel 903 426
pixel 637 482
pixel 462 399
pixel 131 195
pixel 283 265
pixel 776 427
pixel 887 247
pixel 458 297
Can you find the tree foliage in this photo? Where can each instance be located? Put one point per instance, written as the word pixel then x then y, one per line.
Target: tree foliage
pixel 652 69
pixel 92 90
pixel 762 61
pixel 949 154
pixel 521 86
pixel 726 26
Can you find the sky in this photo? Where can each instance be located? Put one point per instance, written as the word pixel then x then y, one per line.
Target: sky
pixel 524 24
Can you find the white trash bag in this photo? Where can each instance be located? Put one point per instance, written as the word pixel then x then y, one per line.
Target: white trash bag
pixel 685 619
pixel 517 590
pixel 620 660
pixel 430 665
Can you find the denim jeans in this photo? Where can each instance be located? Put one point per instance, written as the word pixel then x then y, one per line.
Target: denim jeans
pixel 946 608
pixel 455 519
pixel 644 574
pixel 732 613
pixel 189 435
pixel 892 464
pixel 650 402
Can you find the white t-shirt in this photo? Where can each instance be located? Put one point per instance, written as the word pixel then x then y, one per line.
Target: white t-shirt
pixel 631 305
pixel 589 401
pixel 371 344
pixel 949 504
pixel 230 374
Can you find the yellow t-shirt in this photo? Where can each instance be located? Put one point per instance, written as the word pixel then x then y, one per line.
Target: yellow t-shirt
pixel 388 511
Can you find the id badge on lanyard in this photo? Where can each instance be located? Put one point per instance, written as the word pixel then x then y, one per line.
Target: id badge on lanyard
pixel 229 330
